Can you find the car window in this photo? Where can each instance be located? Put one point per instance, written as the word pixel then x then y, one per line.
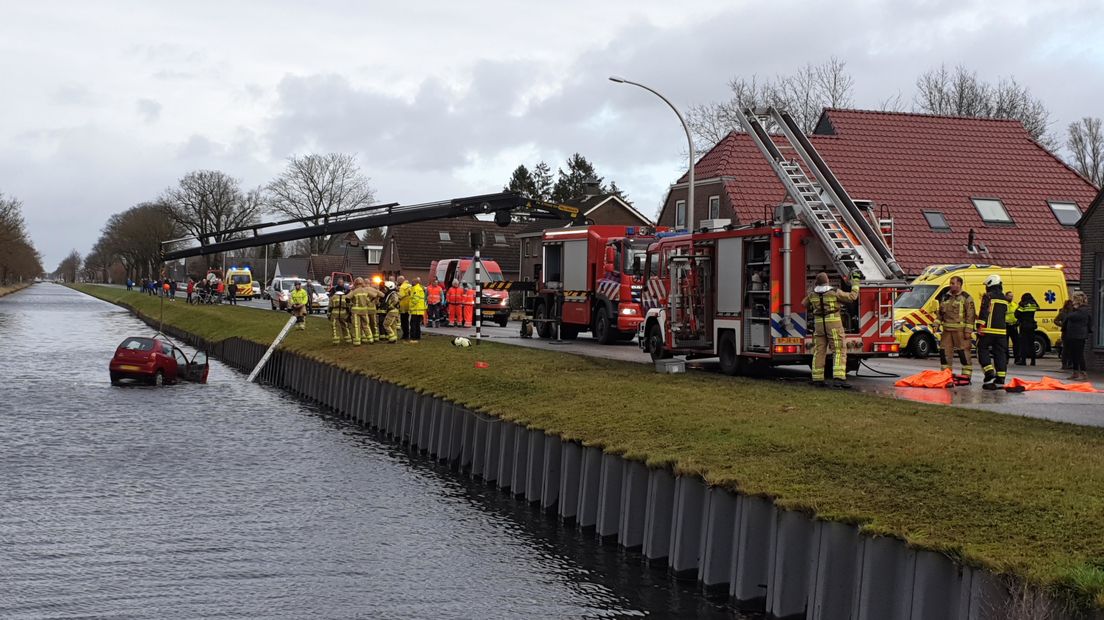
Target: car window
pixel 137 344
pixel 179 356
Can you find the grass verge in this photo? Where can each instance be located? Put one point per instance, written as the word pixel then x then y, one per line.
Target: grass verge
pixel 11 288
pixel 1014 495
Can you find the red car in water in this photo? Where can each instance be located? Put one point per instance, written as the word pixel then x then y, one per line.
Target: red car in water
pixel 156 362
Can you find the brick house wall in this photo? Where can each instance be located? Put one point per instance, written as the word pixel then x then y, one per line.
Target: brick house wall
pixel 704 191
pixel 1091 229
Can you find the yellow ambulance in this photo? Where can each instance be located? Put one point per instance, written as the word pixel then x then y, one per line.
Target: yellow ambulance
pixel 915 311
pixel 241 278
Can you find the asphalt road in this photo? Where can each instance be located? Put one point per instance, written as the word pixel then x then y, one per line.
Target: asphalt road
pixel 877 377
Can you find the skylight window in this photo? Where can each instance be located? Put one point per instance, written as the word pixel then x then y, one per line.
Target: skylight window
pixel 936 220
pixel 444 235
pixel 1067 212
pixel 991 210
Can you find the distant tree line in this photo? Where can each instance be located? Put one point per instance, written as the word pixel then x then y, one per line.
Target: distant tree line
pixel 569 182
pixel 956 92
pixel 19 260
pixel 209 204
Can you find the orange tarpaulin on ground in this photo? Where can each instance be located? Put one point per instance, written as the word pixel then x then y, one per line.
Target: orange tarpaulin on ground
pixel 1019 385
pixel 928 379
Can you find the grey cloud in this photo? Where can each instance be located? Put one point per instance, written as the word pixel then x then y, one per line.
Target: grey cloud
pixel 73 94
pixel 197 147
pixel 149 110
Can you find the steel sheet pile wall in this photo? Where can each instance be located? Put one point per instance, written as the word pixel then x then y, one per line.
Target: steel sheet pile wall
pixel 780 562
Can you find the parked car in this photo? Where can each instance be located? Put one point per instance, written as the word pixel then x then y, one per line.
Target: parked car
pixel 279 292
pixel 256 289
pixel 156 362
pixel 319 298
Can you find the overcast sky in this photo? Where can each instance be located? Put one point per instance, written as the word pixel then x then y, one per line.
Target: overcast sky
pixel 105 104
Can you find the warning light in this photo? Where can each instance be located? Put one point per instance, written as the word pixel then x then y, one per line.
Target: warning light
pixel 376 279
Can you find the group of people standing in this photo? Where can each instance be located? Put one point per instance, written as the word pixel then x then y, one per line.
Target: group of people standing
pixel 1000 320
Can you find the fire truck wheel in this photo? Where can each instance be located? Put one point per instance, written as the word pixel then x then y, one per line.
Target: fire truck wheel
pixel 655 344
pixel 604 333
pixel 544 328
pixel 568 332
pixel 730 361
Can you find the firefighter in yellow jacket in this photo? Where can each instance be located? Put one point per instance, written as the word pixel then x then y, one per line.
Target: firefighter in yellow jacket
pixel 823 305
pixel 363 306
pixel 340 321
pixel 992 329
pixel 956 315
pixel 391 307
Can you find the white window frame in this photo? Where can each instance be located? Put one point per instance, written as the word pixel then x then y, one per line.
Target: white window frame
pixel 528 249
pixel 378 253
pixel 500 239
pixel 680 214
pixel 981 204
pixel 714 207
pixel 444 236
pixel 1065 203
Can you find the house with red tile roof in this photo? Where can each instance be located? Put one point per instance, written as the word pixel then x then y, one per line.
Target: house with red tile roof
pixel 1091 228
pixel 958 190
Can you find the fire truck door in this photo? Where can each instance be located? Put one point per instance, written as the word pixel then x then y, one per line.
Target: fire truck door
pixel 691 300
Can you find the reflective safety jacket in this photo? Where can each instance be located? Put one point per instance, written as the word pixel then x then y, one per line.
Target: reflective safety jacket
pixel 417 299
pixel 433 294
pixel 339 304
pixel 1026 313
pixel 957 311
pixel 469 297
pixel 299 297
pixel 404 297
pixel 455 295
pixel 993 318
pixel 824 305
pixel 1012 317
pixel 391 301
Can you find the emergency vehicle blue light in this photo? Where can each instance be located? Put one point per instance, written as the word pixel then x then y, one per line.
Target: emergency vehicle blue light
pixel 671 233
pixel 630 230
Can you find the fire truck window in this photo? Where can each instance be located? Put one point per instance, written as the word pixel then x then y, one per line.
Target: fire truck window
pixel 617 258
pixel 653 264
pixel 553 263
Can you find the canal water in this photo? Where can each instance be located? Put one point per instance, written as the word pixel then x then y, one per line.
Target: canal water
pixel 229 500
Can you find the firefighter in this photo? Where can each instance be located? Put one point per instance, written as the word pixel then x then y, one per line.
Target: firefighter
pixel 823 304
pixel 391 307
pixel 404 306
pixel 455 298
pixel 992 329
pixel 469 305
pixel 434 296
pixel 299 301
pixel 1025 315
pixel 339 316
pixel 417 310
pixel 956 315
pixel 363 305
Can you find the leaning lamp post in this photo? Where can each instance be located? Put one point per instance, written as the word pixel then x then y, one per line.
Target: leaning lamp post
pixel 689 142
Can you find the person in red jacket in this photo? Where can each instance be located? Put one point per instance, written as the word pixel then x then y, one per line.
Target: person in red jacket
pixel 455 298
pixel 434 297
pixel 469 305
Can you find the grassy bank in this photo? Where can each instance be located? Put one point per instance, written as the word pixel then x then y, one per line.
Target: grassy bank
pixel 1015 495
pixel 11 288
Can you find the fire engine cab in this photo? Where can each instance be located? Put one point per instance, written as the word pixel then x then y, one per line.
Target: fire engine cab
pixel 591 280
pixel 736 292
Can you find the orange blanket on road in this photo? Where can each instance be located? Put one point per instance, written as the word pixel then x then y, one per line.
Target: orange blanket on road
pixel 928 379
pixel 1019 385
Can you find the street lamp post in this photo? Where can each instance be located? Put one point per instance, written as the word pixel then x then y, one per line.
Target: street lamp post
pixel 689 142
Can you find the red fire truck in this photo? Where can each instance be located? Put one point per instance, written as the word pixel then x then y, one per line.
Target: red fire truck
pixel 735 293
pixel 591 281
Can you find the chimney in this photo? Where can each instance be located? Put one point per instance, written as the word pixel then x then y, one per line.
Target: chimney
pixel 591 187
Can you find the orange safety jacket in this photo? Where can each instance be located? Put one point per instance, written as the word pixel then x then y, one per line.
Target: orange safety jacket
pixel 454 295
pixel 469 297
pixel 433 294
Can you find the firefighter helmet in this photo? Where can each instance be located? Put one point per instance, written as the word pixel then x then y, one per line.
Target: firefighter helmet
pixel 993 280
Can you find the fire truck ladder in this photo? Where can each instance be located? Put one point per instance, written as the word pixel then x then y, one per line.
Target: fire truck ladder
pixel 853 244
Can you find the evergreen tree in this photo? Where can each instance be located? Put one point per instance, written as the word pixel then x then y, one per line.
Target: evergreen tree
pixel 542 180
pixel 522 182
pixel 616 191
pixel 572 183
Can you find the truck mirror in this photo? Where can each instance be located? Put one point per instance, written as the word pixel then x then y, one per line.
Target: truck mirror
pixel 611 255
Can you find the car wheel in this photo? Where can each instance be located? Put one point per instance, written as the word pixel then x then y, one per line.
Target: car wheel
pixel 655 344
pixel 922 346
pixel 116 379
pixel 1042 346
pixel 159 378
pixel 503 322
pixel 544 328
pixel 730 361
pixel 604 333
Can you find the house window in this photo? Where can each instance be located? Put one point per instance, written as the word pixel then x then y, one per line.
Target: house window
pixel 714 207
pixel 500 239
pixel 936 220
pixel 1067 212
pixel 527 249
pixel 444 235
pixel 680 214
pixel 991 210
pixel 374 256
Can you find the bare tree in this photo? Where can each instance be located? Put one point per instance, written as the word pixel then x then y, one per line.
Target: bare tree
pixel 963 93
pixel 69 267
pixel 206 203
pixel 18 258
pixel 315 186
pixel 804 94
pixel 1086 146
pixel 133 238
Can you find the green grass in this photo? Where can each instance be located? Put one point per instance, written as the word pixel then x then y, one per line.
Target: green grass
pixel 1015 495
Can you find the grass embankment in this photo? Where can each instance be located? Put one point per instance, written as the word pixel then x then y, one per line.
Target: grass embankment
pixel 1014 495
pixel 8 289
